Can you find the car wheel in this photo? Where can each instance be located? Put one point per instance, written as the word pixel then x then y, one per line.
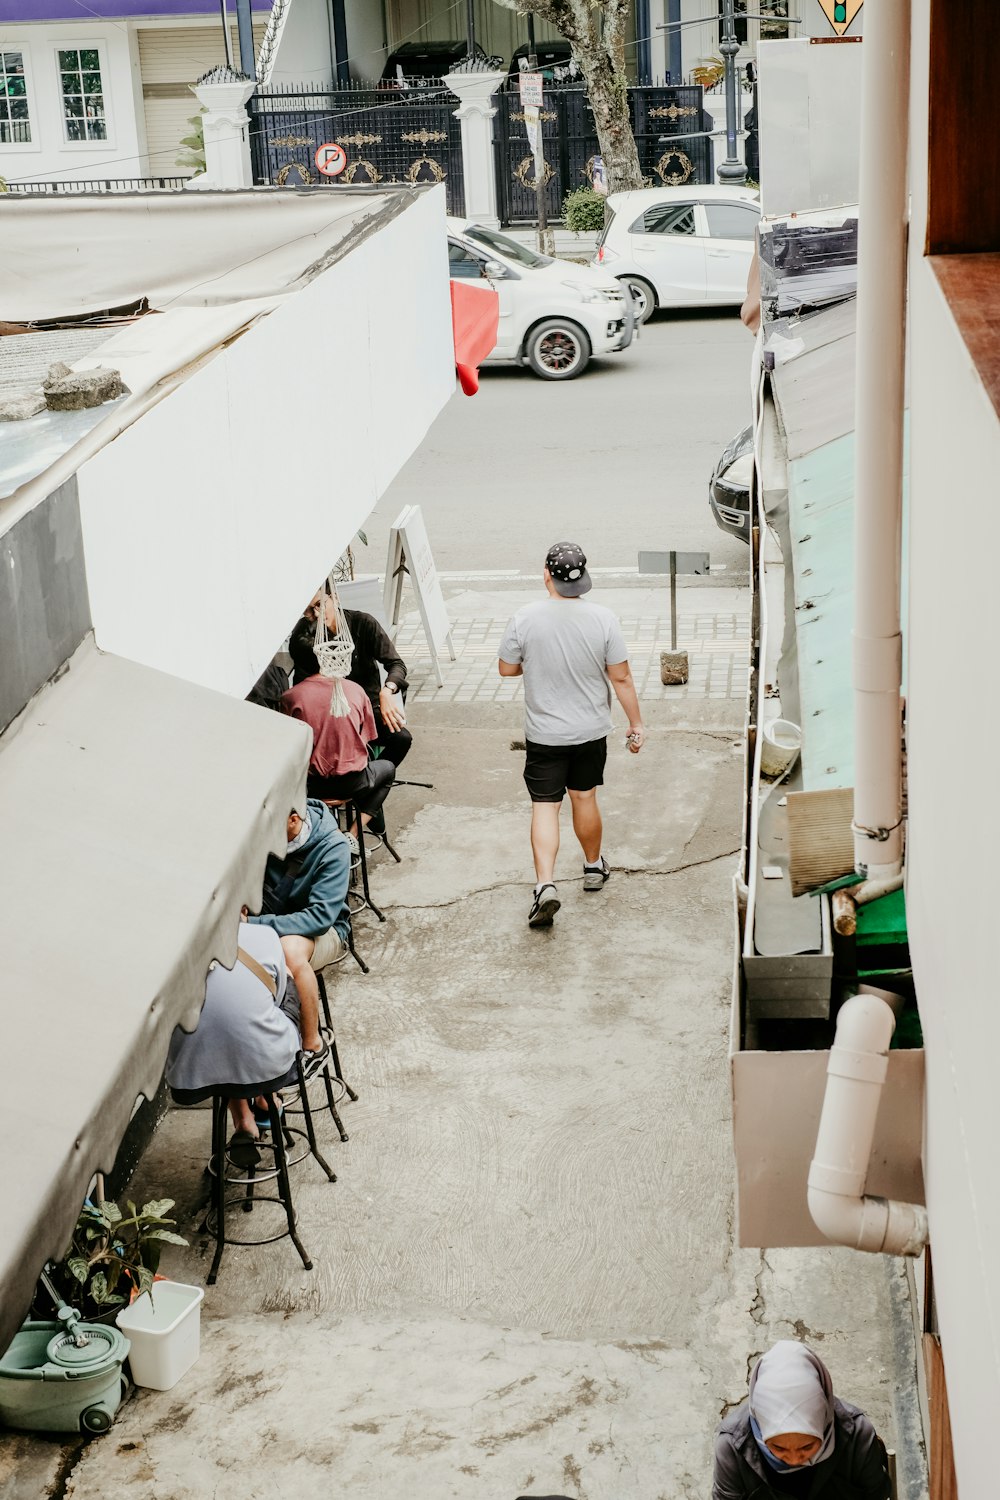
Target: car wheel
pixel 643 297
pixel 557 349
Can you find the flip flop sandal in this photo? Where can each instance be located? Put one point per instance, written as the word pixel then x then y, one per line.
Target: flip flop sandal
pixel 242 1149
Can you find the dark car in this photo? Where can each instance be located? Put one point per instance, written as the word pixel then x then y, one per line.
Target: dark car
pixel 417 63
pixel 729 486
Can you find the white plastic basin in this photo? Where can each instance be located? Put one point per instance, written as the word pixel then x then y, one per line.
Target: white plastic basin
pixel 165 1331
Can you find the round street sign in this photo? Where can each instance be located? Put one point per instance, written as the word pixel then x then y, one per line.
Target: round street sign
pixel 330 159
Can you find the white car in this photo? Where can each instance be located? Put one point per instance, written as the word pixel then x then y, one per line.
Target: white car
pixel 553 314
pixel 680 246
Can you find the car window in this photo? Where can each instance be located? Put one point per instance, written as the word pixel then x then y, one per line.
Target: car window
pixel 462 263
pixel 731 221
pixel 499 244
pixel 666 218
pixel 609 219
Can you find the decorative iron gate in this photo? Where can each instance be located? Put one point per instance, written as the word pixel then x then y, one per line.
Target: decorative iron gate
pixel 411 137
pixel 657 113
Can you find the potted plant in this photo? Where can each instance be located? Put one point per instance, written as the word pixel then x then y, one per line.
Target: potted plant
pixel 113 1256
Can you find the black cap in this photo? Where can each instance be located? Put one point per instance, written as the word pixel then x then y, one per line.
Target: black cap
pixel 567 565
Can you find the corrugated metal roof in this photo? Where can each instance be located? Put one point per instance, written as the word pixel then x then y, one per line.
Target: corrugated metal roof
pixel 25 357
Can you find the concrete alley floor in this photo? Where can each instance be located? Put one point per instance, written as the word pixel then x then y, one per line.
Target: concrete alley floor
pixel 525 1280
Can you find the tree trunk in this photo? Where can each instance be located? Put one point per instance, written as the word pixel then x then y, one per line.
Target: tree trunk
pixel 608 94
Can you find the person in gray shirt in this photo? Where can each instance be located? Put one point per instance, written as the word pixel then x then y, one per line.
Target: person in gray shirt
pixel 572 656
pixel 247 1034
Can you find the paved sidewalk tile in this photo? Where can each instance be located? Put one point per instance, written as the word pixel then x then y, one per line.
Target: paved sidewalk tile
pixel 716 644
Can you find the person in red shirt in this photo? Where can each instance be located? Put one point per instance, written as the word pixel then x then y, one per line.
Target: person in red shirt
pixel 339 768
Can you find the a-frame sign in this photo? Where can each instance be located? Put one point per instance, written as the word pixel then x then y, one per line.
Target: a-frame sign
pixel 840 13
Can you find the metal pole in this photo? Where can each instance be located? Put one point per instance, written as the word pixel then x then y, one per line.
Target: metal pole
pixel 470 26
pixel 244 26
pixel 533 62
pixel 341 62
pixel 732 169
pixel 227 39
pixel 673 601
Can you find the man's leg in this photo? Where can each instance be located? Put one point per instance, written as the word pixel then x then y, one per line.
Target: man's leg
pixel 587 823
pixel 545 839
pixel 243 1116
pixel 298 951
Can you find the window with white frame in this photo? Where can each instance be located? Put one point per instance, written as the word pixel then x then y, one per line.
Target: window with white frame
pixel 82 91
pixel 15 121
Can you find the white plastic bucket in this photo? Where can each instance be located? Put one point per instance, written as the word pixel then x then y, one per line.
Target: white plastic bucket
pixel 165 1332
pixel 782 743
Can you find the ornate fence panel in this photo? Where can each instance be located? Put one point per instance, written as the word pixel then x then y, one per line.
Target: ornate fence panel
pixel 666 120
pixel 411 137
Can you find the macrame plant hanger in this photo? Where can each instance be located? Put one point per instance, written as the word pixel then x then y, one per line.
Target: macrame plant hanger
pixel 334 652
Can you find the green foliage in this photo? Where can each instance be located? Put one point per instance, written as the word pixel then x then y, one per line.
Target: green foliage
pixel 583 210
pixel 194 155
pixel 112 1252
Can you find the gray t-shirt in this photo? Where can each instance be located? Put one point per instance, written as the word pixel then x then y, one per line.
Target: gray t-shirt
pixel 243 1036
pixel 564 647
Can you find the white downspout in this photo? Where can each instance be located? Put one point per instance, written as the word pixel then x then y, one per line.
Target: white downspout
pixel 859 1059
pixel 882 215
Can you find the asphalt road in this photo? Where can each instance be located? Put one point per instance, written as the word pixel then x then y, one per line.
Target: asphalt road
pixel 618 459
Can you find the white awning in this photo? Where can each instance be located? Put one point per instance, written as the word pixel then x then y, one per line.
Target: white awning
pixel 136 815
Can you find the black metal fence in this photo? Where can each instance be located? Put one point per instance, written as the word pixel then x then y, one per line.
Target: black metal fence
pixel 666 120
pixel 99 185
pixel 388 136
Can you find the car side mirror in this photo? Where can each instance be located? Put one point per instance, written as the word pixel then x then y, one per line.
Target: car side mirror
pixel 495 270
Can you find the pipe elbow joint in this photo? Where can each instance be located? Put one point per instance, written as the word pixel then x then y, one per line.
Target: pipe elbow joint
pixel 877 1225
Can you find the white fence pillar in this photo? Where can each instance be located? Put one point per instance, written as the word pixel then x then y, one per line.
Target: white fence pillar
pixel 223 95
pixel 476 111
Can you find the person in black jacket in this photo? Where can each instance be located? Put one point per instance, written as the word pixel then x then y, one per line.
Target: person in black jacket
pixel 372 647
pixel 793 1437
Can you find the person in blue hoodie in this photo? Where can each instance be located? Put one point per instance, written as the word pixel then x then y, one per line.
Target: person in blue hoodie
pixel 305 902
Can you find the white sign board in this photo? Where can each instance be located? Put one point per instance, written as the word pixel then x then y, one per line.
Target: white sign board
pixel 531 87
pixel 410 553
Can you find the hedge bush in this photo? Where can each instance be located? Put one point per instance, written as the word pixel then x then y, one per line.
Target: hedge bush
pixel 583 210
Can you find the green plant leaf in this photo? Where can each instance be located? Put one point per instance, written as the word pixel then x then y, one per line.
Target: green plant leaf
pixel 165 1234
pixel 362 538
pixel 99 1288
pixel 112 1213
pixel 143 1280
pixel 78 1266
pixel 156 1208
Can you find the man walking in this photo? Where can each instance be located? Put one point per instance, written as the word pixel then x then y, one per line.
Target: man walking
pixel 572 655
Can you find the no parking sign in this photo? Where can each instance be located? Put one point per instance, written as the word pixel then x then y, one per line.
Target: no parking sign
pixel 330 159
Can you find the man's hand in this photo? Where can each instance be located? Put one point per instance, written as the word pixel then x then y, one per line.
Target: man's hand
pixel 636 738
pixel 389 705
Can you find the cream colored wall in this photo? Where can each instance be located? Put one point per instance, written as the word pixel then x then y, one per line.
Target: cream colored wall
pixel 954 827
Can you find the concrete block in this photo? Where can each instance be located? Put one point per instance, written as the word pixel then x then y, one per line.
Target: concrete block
pixel 20 405
pixel 673 668
pixel 75 390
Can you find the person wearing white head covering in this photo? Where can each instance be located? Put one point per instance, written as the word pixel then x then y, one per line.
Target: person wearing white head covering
pixel 793 1437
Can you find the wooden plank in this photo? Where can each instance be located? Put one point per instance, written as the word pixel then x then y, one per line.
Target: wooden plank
pixel 943 1481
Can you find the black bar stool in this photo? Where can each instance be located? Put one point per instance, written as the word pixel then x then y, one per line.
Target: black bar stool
pixel 215 1219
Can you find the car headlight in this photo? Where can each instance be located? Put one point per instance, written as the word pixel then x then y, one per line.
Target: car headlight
pixel 740 472
pixel 589 293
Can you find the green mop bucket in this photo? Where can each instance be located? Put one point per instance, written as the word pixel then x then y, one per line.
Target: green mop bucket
pixel 62 1377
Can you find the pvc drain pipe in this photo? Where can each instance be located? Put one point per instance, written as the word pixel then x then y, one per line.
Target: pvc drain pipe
pixel 859 1060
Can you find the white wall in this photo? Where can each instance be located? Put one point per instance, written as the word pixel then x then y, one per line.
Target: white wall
pixel 49 155
pixel 208 524
pixel 366 37
pixel 954 823
pixel 305 51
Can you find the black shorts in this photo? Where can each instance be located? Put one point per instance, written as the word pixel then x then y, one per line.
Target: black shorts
pixel 552 770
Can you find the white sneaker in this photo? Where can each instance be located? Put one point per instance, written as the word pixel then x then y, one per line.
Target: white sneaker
pixel 544 906
pixel 595 876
